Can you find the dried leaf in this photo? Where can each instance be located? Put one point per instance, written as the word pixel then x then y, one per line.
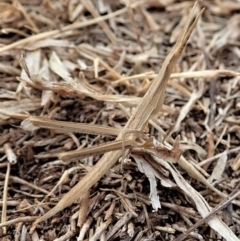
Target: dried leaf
pixel 145 168
pixel 219 168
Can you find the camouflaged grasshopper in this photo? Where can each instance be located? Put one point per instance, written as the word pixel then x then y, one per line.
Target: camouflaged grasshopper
pixel 150 104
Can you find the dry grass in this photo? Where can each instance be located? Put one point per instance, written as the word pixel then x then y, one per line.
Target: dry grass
pixel 75 75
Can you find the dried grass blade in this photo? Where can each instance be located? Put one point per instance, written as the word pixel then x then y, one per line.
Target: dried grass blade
pixel 205 74
pixel 90 7
pixel 187 92
pixel 94 150
pixel 73 127
pixel 187 107
pixel 27 17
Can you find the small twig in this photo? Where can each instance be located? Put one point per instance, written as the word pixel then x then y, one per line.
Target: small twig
pixel 12 159
pixel 10 154
pixel 103 226
pixel 118 225
pixel 70 233
pixel 110 211
pixel 5 195
pixel 213 158
pixel 235 193
pixel 18 220
pixel 10 203
pixel 84 204
pixel 27 17
pixel 84 228
pixel 21 181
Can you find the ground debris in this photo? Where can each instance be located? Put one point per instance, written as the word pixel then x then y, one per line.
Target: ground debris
pixel 72 76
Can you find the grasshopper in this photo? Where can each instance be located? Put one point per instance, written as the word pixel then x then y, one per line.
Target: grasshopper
pixel 150 105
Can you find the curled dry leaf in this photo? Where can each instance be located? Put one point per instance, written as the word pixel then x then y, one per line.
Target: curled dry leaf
pixel 219 168
pixel 145 168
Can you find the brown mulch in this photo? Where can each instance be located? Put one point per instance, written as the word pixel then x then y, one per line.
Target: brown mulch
pixel 72 74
